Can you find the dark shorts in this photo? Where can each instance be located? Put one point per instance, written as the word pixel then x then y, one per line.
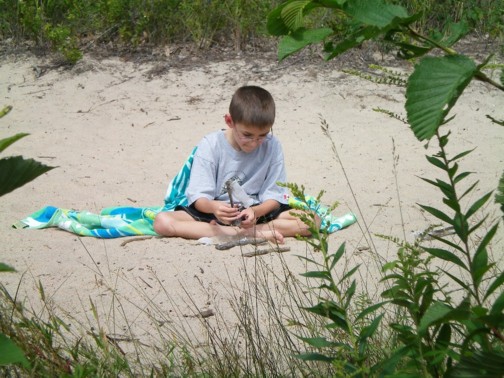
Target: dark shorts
pixel 205 217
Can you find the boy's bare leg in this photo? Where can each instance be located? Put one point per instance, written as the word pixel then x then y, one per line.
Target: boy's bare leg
pixel 181 224
pixel 287 224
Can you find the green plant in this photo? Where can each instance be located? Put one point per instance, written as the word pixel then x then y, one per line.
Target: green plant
pixel 64 42
pixel 14 173
pixel 351 328
pixel 435 334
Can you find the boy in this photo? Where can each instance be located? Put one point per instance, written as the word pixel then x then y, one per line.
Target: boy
pixel 246 152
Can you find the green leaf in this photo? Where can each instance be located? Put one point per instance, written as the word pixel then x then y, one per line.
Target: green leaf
pixel 376 13
pixel 469 190
pixel 314 357
pixel 275 25
pixel 16 171
pixel 6 110
pixel 451 244
pixel 438 214
pixel 498 305
pixel 4 143
pixel 433 89
pixel 479 364
pixel 10 353
pixel 318 342
pixel 480 260
pixel 350 293
pixel 445 187
pixel 495 285
pixel 317 274
pixel 447 256
pixel 349 273
pixel 6 268
pixel 453 32
pixel 299 39
pixel 352 41
pixel 461 176
pixel 436 162
pixel 369 310
pixel 461 155
pixel 477 205
pixel 409 51
pixel 436 312
pixel 499 197
pixel 338 255
pixel 444 337
pixel 458 280
pixel 370 330
pixel 293 13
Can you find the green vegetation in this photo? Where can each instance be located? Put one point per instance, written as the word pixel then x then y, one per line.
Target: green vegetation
pixel 14 173
pixel 434 333
pixel 72 27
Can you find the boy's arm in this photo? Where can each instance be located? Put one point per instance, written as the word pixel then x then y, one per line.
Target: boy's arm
pixel 222 211
pixel 265 208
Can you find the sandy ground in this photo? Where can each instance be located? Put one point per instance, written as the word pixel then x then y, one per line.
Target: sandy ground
pixel 118 131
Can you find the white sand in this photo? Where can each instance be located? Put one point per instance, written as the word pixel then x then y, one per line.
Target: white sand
pixel 118 135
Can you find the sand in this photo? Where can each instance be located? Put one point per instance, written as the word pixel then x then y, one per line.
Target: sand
pixel 119 130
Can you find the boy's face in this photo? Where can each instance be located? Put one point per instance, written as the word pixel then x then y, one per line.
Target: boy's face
pixel 247 138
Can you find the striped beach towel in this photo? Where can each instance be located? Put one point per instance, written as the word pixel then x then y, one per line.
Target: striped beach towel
pixel 114 222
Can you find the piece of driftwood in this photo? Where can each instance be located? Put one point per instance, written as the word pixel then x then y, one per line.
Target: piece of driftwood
pixel 136 238
pixel 202 314
pixel 240 242
pixel 265 251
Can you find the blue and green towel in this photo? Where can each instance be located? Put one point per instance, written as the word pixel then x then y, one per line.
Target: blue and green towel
pixel 114 222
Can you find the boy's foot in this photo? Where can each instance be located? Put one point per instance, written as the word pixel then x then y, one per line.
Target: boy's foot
pixel 272 236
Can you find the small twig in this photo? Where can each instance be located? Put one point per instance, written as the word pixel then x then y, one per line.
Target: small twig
pixel 265 251
pixel 150 123
pixel 95 106
pixel 145 282
pixel 136 239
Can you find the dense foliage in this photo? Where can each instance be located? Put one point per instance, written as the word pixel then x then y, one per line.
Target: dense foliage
pixel 71 27
pixel 433 334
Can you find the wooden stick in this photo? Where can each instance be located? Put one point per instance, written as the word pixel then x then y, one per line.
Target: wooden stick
pixel 265 251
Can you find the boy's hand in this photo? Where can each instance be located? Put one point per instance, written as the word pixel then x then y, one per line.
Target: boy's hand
pixel 248 218
pixel 226 214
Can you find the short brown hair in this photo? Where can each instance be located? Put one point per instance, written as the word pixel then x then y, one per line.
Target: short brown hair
pixel 252 106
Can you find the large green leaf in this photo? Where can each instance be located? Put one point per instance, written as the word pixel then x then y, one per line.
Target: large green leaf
pixel 301 38
pixel 16 171
pixel 4 143
pixel 375 13
pixel 293 13
pixel 433 89
pixel 10 353
pixel 289 16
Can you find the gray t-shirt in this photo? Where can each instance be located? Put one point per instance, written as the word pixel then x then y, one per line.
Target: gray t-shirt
pixel 258 172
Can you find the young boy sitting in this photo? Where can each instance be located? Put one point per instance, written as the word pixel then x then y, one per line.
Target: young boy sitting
pixel 247 153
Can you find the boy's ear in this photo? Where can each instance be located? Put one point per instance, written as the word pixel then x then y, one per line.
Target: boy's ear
pixel 229 120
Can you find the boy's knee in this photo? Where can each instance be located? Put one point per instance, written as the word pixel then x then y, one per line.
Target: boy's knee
pixel 162 224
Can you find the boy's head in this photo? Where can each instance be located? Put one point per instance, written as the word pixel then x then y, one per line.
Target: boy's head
pixel 251 116
pixel 252 106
